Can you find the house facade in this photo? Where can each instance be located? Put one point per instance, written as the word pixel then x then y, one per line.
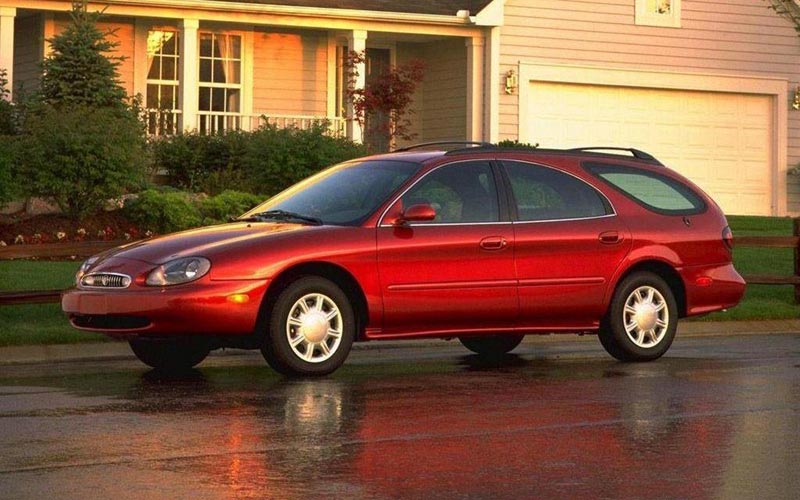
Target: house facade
pixel 708 88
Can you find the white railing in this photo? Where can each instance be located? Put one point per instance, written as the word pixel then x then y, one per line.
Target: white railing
pixel 212 122
pixel 161 122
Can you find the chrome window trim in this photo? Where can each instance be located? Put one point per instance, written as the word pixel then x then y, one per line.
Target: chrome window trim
pixel 130 280
pixel 613 208
pixel 488 161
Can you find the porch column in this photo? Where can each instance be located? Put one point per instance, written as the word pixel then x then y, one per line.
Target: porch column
pixel 491 106
pixel 356 42
pixel 7 15
pixel 189 74
pixel 475 85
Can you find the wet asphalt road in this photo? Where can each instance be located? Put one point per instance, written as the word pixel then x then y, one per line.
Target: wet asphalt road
pixel 717 418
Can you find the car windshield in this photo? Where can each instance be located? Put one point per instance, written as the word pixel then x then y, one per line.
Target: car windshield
pixel 344 194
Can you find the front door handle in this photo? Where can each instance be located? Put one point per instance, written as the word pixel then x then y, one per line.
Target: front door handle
pixel 493 243
pixel 610 237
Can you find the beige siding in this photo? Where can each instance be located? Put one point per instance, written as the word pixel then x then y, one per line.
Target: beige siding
pixel 444 111
pixel 405 53
pixel 732 37
pixel 119 30
pixel 28 51
pixel 290 73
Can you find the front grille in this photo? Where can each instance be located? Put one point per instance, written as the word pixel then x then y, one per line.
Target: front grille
pixel 108 322
pixel 106 280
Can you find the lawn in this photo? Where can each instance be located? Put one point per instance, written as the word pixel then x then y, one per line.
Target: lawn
pixel 45 324
pixel 38 323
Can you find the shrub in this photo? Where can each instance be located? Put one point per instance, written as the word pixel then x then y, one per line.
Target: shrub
pixel 208 163
pixel 515 144
pixel 163 211
pixel 227 204
pixel 79 157
pixel 277 158
pixel 267 160
pixel 7 190
pixel 8 117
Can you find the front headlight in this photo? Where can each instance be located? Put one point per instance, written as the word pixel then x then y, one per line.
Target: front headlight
pixel 179 271
pixel 87 264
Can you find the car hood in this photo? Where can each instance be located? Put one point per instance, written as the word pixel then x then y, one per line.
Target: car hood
pixel 205 241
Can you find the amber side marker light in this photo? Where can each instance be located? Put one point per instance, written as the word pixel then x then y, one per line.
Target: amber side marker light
pixel 239 298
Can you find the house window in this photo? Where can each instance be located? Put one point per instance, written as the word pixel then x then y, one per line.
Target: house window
pixel 665 13
pixel 220 82
pixel 162 81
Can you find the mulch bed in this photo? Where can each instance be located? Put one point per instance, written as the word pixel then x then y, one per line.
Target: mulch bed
pixel 102 226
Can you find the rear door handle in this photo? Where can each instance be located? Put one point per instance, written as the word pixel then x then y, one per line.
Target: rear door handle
pixel 493 243
pixel 609 237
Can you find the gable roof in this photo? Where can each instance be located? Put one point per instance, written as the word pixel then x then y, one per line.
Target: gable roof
pixel 437 7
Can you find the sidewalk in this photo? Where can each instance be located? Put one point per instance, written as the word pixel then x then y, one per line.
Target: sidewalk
pixel 120 350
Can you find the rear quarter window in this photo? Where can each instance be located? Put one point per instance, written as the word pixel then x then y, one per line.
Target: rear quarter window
pixel 655 192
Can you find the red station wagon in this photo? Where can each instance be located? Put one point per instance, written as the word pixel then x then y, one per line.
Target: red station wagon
pixel 481 243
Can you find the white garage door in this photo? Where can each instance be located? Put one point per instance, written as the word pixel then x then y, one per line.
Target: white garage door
pixel 721 141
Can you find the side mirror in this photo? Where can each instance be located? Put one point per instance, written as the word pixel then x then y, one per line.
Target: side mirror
pixel 416 213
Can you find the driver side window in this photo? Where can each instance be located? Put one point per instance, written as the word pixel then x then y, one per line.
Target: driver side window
pixel 460 193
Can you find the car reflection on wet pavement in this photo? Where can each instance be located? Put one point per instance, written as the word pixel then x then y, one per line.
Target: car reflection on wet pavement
pixel 717 418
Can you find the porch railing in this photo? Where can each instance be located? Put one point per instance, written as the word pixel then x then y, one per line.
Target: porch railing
pixel 162 122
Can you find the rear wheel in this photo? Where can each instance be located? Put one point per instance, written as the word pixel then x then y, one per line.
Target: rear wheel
pixel 642 319
pixel 170 355
pixel 312 328
pixel 493 346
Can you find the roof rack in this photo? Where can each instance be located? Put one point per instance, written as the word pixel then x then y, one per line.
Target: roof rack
pixel 443 143
pixel 637 153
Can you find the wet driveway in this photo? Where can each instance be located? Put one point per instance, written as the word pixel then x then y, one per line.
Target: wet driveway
pixel 718 418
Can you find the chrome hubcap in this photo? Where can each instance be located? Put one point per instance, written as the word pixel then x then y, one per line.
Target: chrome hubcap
pixel 646 316
pixel 314 327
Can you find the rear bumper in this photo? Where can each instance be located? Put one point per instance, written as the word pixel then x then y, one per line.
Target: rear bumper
pixel 195 309
pixel 725 289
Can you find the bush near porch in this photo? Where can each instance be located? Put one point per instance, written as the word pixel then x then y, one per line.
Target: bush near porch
pixel 45 324
pixel 265 161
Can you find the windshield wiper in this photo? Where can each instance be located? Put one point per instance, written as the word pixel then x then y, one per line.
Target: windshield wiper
pixel 282 215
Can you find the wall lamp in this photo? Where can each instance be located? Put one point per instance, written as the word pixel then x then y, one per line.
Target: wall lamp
pixel 512 82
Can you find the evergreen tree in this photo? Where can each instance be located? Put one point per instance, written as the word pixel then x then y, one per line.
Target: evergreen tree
pixel 79 69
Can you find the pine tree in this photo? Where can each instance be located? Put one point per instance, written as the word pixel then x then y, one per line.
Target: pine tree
pixel 79 70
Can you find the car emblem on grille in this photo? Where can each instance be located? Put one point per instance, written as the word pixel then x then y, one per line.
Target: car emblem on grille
pixel 104 280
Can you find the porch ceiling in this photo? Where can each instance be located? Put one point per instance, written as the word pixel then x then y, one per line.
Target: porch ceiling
pixel 436 7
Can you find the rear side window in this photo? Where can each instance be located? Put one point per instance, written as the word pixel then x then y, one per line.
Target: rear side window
pixel 543 193
pixel 655 192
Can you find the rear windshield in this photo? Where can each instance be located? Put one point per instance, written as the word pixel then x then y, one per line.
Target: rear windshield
pixel 655 192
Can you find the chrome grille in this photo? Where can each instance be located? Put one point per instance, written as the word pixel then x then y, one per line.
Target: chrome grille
pixel 106 280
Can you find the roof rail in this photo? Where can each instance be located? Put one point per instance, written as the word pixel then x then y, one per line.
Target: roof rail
pixel 637 153
pixel 443 143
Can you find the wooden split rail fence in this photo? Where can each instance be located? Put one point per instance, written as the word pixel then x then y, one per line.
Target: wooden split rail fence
pixel 88 248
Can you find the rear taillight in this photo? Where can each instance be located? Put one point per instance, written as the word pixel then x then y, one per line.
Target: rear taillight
pixel 727 237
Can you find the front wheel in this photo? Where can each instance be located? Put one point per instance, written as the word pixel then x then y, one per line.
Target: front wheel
pixel 491 347
pixel 170 355
pixel 312 328
pixel 642 319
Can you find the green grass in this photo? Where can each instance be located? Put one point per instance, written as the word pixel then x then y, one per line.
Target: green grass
pixel 38 323
pixel 46 324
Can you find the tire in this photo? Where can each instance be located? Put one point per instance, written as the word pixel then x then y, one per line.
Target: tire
pixel 645 303
pixel 170 355
pixel 493 346
pixel 311 328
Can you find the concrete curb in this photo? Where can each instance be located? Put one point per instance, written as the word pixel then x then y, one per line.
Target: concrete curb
pixel 99 351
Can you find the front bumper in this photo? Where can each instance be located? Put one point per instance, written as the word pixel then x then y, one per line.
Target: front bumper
pixel 201 308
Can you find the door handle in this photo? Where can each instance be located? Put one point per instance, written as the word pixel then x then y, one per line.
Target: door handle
pixel 610 237
pixel 493 243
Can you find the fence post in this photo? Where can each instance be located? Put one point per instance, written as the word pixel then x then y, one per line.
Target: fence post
pixel 796 232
